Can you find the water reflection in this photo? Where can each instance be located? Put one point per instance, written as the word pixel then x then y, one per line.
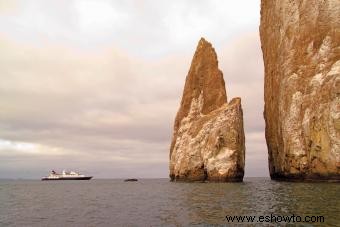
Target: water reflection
pixel 209 203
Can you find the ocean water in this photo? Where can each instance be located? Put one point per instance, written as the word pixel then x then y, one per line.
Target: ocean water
pixel 158 202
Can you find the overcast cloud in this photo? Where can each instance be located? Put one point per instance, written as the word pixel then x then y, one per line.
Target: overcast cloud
pixel 95 85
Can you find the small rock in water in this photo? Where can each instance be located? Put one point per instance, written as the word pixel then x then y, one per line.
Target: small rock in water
pixel 131 179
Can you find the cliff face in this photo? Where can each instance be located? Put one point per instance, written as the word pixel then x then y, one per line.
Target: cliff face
pixel 301 51
pixel 208 138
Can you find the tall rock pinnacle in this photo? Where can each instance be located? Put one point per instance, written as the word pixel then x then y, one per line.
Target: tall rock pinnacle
pixel 301 52
pixel 208 138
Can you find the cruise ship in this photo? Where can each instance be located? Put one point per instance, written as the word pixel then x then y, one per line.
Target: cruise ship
pixel 66 176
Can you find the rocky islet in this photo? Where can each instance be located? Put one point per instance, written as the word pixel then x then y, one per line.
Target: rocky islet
pixel 301 52
pixel 208 140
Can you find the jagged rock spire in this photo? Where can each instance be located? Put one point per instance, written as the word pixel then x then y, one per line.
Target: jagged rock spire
pixel 205 125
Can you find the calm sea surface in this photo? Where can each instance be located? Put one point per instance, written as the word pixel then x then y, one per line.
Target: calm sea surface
pixel 158 202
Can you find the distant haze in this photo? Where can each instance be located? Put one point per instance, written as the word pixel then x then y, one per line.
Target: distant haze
pixel 94 86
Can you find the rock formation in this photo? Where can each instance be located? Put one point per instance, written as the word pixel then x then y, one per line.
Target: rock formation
pixel 208 139
pixel 301 51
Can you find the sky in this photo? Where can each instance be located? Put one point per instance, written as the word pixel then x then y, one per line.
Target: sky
pixel 94 86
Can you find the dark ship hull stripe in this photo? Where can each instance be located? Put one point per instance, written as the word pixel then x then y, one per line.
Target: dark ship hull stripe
pixel 68 178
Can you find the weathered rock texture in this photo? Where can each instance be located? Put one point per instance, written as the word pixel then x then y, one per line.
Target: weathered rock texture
pixel 301 51
pixel 208 139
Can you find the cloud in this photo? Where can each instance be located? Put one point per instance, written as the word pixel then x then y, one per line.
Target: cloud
pixel 135 26
pixel 105 107
pixel 105 96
